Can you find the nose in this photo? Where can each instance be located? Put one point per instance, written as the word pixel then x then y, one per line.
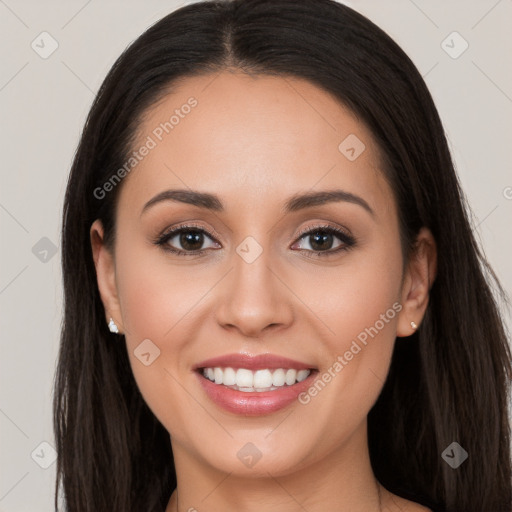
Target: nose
pixel 253 298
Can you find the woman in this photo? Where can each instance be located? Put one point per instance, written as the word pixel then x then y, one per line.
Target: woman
pixel 273 297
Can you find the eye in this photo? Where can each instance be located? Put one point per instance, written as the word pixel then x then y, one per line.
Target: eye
pixel 190 237
pixel 321 239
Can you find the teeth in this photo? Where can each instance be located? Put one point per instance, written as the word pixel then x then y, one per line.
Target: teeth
pixel 259 380
pixel 229 377
pixel 244 378
pixel 290 377
pixel 278 377
pixel 302 374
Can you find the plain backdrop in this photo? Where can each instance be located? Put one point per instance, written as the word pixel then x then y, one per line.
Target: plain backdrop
pixel 43 104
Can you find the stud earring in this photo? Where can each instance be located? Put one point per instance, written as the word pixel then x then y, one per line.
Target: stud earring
pixel 112 326
pixel 413 325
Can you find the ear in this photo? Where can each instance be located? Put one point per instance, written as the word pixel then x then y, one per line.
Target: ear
pixel 105 274
pixel 418 279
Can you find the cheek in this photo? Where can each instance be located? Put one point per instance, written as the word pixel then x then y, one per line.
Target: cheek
pixel 355 295
pixel 360 307
pixel 154 293
pixel 155 300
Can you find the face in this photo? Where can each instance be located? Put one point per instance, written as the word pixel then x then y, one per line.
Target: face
pixel 320 283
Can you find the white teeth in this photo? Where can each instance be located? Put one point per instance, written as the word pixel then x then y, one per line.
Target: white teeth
pixel 302 374
pixel 217 373
pixel 291 376
pixel 259 380
pixel 278 377
pixel 229 377
pixel 262 379
pixel 244 378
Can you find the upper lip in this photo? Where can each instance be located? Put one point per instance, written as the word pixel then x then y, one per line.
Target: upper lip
pixel 258 362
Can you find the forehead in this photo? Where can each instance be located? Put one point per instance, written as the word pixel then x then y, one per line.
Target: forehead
pixel 254 140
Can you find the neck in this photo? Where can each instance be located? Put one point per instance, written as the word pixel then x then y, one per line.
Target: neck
pixel 338 481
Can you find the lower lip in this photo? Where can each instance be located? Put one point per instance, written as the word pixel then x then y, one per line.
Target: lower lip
pixel 254 403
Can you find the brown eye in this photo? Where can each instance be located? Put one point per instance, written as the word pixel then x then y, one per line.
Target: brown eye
pixel 189 239
pixel 321 240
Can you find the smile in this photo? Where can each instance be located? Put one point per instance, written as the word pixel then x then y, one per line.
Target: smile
pixel 245 380
pixel 255 395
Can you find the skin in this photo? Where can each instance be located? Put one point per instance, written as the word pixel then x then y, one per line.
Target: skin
pixel 255 141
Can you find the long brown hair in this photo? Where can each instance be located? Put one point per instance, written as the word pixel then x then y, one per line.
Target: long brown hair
pixel 448 382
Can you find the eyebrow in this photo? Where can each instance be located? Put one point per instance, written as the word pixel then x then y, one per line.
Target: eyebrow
pixel 296 202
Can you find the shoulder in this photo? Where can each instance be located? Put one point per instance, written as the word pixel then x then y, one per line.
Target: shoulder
pixel 405 505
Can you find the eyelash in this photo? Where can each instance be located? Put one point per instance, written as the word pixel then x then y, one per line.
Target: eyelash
pixel 348 240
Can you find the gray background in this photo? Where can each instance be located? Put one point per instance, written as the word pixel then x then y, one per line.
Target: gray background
pixel 43 104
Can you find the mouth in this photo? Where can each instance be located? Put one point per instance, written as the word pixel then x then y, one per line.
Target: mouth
pixel 259 381
pixel 253 386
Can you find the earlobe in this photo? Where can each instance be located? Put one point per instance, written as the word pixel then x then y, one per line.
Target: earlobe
pixel 420 275
pixel 106 275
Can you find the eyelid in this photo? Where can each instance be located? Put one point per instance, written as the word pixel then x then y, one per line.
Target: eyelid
pixel 342 233
pixel 324 225
pixel 348 241
pixel 213 234
pixel 187 225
